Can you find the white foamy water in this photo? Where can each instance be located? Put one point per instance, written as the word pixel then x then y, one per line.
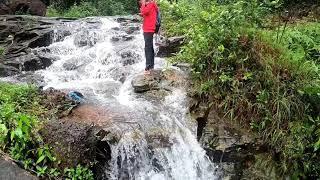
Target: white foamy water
pixel 163 144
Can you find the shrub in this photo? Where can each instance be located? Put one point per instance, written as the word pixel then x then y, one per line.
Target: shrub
pixel 84 10
pixel 92 8
pixel 266 79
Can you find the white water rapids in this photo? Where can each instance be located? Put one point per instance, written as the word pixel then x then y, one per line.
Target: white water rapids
pixel 99 58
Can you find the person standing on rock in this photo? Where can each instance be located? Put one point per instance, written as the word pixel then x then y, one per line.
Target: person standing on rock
pixel 148 10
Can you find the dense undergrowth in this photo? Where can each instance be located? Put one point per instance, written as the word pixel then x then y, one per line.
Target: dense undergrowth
pixel 265 78
pixel 20 121
pixel 87 8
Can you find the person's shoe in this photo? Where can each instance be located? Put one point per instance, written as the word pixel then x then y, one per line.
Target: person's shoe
pixel 147 72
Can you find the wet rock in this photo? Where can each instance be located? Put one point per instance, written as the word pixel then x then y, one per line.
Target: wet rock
pixel 31 78
pixel 156 95
pixel 230 171
pixel 115 39
pixel 158 138
pixel 123 78
pixel 131 19
pixel 83 137
pixel 229 144
pixel 129 54
pixel 8 70
pixel 115 28
pixel 127 38
pixel 129 57
pixel 75 63
pixel 32 62
pixel 69 66
pixel 142 83
pixel 61 34
pixel 28 62
pixel 128 61
pixel 159 80
pixel 170 46
pixel 72 142
pixel 20 34
pixel 85 39
pixel 11 171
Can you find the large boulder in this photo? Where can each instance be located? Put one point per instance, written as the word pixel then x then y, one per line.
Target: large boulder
pixel 80 133
pixel 18 36
pixel 32 7
pixel 168 47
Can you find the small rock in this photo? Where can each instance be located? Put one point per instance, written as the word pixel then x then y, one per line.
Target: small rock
pixel 141 84
pixel 115 39
pixel 115 28
pixel 127 38
pixel 69 66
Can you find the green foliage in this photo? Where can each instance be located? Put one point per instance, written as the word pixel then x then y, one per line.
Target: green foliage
pixel 19 125
pixel 19 106
pixel 52 12
pixel 92 8
pixel 269 84
pixel 78 173
pixel 84 10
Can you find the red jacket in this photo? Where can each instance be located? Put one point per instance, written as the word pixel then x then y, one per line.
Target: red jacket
pixel 149 14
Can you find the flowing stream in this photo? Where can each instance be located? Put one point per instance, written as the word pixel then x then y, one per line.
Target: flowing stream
pixel 100 57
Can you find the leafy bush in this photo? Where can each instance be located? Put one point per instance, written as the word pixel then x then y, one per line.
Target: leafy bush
pixel 52 12
pixel 78 173
pixel 83 10
pixel 266 79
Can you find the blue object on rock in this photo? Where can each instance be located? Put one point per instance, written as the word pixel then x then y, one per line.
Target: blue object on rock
pixel 76 96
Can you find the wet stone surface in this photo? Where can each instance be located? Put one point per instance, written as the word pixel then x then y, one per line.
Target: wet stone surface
pixel 11 171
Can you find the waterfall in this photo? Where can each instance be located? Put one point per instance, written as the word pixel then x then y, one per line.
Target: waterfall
pixel 100 57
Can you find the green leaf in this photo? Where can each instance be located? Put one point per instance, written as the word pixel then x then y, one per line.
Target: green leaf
pixel 40 159
pixel 18 132
pixel 3 129
pixel 317 145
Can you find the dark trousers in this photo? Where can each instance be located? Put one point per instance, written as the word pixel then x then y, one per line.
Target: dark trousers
pixel 148 49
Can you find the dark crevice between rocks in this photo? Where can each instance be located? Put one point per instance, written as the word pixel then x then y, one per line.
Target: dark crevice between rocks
pixel 202 122
pixel 103 156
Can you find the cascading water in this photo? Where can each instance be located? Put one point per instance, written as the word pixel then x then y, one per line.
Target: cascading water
pixel 100 57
